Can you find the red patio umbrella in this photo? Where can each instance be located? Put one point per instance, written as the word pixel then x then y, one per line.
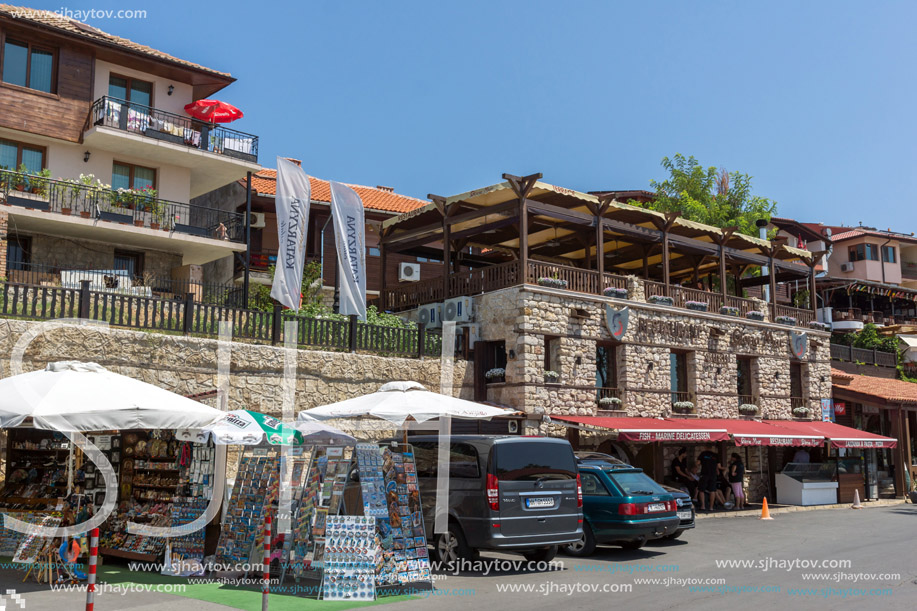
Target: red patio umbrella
pixel 213 111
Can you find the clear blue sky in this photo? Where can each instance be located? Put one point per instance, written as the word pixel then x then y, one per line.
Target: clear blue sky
pixel 816 100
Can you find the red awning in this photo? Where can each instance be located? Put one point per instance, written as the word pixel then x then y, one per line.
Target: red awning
pixel 840 436
pixel 758 433
pixel 651 429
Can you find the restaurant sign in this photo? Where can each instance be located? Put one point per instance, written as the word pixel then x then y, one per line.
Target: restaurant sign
pixel 616 321
pixel 774 440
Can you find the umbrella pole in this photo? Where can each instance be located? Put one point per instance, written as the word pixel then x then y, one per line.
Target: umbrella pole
pixel 70 469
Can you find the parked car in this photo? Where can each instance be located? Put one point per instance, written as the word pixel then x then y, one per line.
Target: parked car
pixel 622 506
pixel 506 493
pixel 686 511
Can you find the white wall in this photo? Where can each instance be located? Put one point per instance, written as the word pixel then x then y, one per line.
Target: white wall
pixel 66 161
pixel 161 99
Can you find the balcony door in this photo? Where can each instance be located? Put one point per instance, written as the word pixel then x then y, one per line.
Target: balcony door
pixel 139 93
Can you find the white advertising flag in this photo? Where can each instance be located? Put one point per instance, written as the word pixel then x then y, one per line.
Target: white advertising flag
pixel 294 192
pixel 350 239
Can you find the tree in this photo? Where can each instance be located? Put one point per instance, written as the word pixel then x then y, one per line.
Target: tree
pixel 709 196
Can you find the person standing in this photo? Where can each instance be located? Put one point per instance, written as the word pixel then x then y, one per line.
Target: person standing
pixel 737 479
pixel 710 467
pixel 680 472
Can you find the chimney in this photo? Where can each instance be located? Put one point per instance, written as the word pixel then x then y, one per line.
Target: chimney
pixel 296 161
pixel 386 189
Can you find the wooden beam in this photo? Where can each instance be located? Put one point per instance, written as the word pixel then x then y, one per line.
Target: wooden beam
pixel 383 259
pixel 560 213
pixel 503 208
pixel 522 186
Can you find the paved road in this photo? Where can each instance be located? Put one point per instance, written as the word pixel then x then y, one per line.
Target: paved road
pixel 873 541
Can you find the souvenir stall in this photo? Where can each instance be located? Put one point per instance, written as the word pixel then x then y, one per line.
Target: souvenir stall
pixel 391 504
pixel 134 419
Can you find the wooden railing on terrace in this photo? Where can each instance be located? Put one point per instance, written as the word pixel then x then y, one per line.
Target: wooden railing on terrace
pixel 863 355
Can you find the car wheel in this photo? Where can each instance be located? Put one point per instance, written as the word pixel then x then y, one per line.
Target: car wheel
pixel 633 545
pixel 450 546
pixel 583 547
pixel 674 535
pixel 545 554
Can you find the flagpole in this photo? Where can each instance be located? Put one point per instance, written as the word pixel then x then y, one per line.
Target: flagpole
pixel 248 237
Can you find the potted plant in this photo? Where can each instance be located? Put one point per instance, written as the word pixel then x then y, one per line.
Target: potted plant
pixel 661 300
pixel 553 282
pixel 4 178
pixel 819 326
pixel 697 306
pixel 497 374
pixel 40 183
pixel 20 180
pixel 682 407
pixel 610 402
pixel 748 409
pixel 551 377
pixel 786 320
pixel 156 210
pixel 755 315
pixel 801 412
pixel 617 293
pixel 729 311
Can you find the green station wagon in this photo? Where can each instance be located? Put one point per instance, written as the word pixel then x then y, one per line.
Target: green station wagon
pixel 622 506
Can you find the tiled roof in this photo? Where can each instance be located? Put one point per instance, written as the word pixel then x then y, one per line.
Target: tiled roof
pixel 265 183
pixel 72 27
pixel 837 237
pixel 841 375
pixel 890 390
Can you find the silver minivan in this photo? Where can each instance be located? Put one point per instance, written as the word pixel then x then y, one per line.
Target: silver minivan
pixel 507 493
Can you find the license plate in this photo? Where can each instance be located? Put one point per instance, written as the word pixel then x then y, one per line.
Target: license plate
pixel 539 502
pixel 656 507
pixel 684 515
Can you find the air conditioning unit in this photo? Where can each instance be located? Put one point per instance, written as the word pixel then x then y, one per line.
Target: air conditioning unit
pixel 431 315
pixel 409 272
pixel 847 267
pixel 257 220
pixel 458 309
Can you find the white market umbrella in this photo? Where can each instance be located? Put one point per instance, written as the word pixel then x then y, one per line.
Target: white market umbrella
pixel 396 402
pixel 75 396
pixel 318 433
pixel 244 427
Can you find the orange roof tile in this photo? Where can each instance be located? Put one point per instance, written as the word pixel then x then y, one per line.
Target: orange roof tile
pixel 265 183
pixel 841 375
pixel 72 27
pixel 891 390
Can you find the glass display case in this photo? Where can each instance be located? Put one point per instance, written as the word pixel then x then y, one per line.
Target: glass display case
pixel 807 484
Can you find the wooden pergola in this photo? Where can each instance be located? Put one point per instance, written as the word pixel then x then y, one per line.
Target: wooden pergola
pixel 521 229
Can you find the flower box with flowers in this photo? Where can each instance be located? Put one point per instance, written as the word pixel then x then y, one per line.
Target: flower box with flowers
pixel 801 412
pixel 729 311
pixel 754 315
pixel 786 320
pixel 554 283
pixel 748 409
pixel 495 375
pixel 683 407
pixel 819 326
pixel 551 377
pixel 697 306
pixel 661 300
pixel 610 402
pixel 617 293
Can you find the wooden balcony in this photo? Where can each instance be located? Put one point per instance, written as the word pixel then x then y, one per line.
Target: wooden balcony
pixel 864 356
pixel 589 282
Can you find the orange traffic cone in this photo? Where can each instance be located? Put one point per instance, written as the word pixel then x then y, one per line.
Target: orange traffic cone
pixel 856 500
pixel 765 512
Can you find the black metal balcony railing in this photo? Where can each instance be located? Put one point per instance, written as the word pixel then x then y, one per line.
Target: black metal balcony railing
pixel 109 280
pixel 129 207
pixel 169 127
